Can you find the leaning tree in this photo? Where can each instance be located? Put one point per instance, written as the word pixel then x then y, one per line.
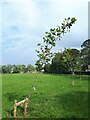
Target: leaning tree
pixel 44 51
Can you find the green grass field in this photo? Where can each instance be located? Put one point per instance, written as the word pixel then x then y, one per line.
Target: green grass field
pixel 55 96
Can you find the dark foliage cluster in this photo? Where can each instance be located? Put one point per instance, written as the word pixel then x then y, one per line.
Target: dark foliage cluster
pixel 71 61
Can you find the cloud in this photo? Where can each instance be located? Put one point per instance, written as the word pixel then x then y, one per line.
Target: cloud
pixel 24 52
pixel 25 21
pixel 1 34
pixel 18 23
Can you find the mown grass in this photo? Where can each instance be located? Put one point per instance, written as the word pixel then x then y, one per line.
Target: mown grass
pixel 55 96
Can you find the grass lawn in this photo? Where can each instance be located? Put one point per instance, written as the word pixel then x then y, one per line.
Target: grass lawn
pixel 55 96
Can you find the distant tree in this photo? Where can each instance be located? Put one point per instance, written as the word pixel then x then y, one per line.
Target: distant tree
pixel 59 64
pixel 85 54
pixel 4 69
pixel 30 68
pixel 23 68
pixel 47 68
pixel 44 52
pixel 66 61
pixel 15 69
pixel 19 68
pixel 72 59
pixel 9 68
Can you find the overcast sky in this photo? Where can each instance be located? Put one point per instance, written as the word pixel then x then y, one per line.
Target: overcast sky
pixel 24 22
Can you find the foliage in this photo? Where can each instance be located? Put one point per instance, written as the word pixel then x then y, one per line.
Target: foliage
pixel 16 69
pixel 66 61
pixel 59 64
pixel 30 68
pixel 3 69
pixel 85 54
pixel 7 69
pixel 47 68
pixel 49 41
pixel 71 58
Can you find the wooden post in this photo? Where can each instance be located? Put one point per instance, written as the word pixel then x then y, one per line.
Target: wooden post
pixel 25 108
pixel 73 82
pixel 15 108
pixel 25 102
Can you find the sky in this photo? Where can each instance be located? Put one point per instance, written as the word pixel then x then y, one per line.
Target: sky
pixel 23 24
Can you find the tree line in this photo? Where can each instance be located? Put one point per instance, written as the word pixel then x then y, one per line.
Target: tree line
pixel 70 60
pixel 67 61
pixel 8 69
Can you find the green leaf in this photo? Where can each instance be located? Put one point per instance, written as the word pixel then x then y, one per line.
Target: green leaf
pixel 54 44
pixel 38 44
pixel 73 20
pixel 68 18
pixel 46 32
pixel 37 51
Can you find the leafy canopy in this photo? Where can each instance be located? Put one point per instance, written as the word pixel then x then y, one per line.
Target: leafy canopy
pixel 49 41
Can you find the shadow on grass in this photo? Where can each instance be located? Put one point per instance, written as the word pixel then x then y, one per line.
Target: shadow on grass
pixel 78 77
pixel 11 96
pixel 74 104
pixel 20 111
